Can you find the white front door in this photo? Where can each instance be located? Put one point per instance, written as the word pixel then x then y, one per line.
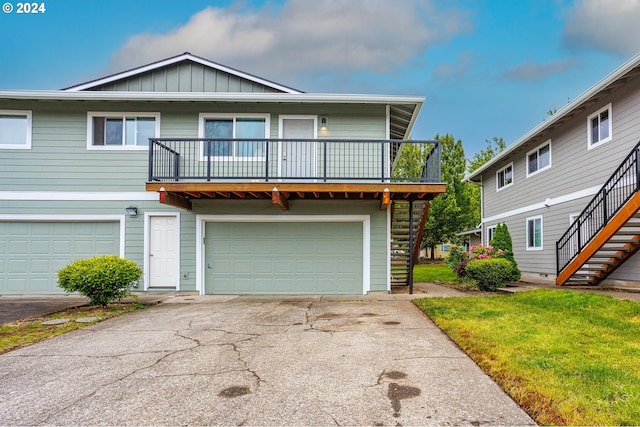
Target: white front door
pixel 163 251
pixel 297 157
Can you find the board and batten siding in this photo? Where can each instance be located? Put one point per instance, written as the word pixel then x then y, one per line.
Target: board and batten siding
pixel 60 161
pixel 575 175
pixel 186 77
pixel 379 245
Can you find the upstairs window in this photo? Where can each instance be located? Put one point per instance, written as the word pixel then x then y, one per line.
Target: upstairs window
pixel 15 129
pixel 251 128
pixel 599 129
pixel 122 131
pixel 504 177
pixel 539 159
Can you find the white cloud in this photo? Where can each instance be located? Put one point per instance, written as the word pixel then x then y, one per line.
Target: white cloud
pixel 530 71
pixel 606 25
pixel 457 71
pixel 324 38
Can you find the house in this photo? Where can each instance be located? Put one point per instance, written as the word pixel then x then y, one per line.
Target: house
pixel 568 189
pixel 213 180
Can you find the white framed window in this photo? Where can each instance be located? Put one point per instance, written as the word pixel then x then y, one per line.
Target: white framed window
pixel 504 177
pixel 534 233
pixel 15 130
pixel 121 131
pixel 445 247
pixel 599 127
pixel 234 126
pixel 490 231
pixel 539 159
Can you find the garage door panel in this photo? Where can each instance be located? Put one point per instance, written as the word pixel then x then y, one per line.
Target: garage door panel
pixel 33 252
pixel 283 257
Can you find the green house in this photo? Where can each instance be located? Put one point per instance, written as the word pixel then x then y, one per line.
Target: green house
pixel 214 181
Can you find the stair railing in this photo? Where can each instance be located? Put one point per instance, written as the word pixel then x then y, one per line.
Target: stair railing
pixel 618 189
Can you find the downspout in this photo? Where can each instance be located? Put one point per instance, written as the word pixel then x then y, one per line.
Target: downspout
pixel 481 185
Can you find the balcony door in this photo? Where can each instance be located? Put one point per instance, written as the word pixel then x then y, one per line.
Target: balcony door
pixel 297 156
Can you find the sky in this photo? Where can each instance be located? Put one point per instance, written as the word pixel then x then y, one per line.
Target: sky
pixel 487 68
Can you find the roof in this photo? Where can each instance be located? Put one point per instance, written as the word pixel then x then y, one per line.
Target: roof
pixel 617 78
pixel 174 60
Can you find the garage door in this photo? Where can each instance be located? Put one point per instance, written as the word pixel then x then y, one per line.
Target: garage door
pixel 283 258
pixel 31 253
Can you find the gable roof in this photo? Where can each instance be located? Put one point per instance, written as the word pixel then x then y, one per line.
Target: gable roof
pixel 185 57
pixel 617 78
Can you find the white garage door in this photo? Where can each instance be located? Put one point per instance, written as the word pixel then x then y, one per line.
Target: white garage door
pixel 31 253
pixel 283 258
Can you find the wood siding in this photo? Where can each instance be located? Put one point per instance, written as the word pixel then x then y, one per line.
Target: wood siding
pixel 574 169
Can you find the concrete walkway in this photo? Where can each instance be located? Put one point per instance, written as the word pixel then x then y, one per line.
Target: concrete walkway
pixel 227 360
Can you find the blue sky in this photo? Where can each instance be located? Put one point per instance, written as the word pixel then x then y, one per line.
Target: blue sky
pixel 488 68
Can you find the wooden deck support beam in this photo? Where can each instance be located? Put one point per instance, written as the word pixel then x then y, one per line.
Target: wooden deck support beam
pixel 174 200
pixel 279 199
pixel 385 201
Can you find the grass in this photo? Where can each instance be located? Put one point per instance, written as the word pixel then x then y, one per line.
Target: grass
pixel 424 273
pixel 29 331
pixel 567 358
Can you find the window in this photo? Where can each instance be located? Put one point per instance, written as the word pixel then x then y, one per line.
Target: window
pixel 15 129
pixel 504 177
pixel 599 128
pixel 226 127
pixel 490 231
pixel 122 130
pixel 445 248
pixel 539 159
pixel 534 233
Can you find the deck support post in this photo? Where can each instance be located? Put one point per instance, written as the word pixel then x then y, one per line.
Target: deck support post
pixel 410 249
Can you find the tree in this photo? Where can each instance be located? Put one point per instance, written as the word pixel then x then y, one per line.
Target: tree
pixel 451 212
pixel 412 159
pixel 493 149
pixel 501 241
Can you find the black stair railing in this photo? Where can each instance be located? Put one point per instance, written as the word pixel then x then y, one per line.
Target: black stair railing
pixel 618 189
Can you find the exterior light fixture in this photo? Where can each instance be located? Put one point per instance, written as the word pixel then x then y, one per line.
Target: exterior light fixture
pixel 323 122
pixel 132 211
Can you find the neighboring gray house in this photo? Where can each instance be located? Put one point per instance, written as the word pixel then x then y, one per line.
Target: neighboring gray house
pixel 213 180
pixel 568 189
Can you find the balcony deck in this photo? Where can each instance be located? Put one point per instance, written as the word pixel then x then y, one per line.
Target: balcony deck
pixel 182 171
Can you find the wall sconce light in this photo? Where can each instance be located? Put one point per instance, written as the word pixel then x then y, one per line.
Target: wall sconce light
pixel 323 122
pixel 132 211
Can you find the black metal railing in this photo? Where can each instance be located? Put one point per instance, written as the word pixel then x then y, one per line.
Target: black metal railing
pixel 304 159
pixel 618 189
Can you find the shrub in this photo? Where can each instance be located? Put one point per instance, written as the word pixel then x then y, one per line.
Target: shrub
pixel 461 269
pixel 490 273
pixel 502 242
pixel 102 279
pixel 456 255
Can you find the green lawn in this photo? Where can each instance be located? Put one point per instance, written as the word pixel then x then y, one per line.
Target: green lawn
pixel 433 273
pixel 567 358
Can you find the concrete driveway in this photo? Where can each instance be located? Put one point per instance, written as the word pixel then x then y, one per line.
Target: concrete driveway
pixel 254 361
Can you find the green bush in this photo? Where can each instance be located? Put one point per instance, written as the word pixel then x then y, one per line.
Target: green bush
pixel 490 273
pixel 102 279
pixel 503 248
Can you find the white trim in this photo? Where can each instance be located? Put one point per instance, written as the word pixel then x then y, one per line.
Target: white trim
pixel 536 150
pixel 534 248
pixel 281 119
pixel 71 218
pixel 489 235
pixel 147 237
pixel 498 188
pixel 79 196
pixel 115 115
pixel 546 203
pixel 174 60
pixel 28 136
pixel 590 143
pixel 201 221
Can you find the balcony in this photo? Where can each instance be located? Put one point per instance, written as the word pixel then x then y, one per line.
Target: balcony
pixel 182 170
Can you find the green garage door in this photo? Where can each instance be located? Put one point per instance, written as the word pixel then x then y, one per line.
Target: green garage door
pixel 283 258
pixel 31 253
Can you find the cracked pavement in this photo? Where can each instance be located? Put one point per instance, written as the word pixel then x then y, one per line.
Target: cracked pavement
pixel 253 361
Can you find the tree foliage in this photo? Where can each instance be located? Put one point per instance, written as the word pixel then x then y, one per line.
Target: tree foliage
pixel 411 160
pixel 493 149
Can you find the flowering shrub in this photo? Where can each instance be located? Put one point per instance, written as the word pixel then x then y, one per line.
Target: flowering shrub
pixel 458 259
pixel 456 255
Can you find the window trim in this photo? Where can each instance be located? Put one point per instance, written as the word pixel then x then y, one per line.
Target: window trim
pixel 123 115
pixel 590 143
pixel 491 229
pixel 536 150
pixel 28 137
pixel 528 243
pixel 202 117
pixel 498 188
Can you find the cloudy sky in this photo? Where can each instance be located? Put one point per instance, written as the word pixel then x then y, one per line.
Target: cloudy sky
pixel 488 68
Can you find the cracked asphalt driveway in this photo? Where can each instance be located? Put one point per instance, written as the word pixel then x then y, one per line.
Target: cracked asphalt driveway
pixel 254 361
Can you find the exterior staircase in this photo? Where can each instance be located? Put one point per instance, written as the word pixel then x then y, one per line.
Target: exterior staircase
pixel 407 227
pixel 607 232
